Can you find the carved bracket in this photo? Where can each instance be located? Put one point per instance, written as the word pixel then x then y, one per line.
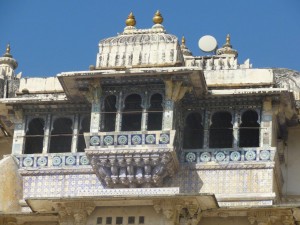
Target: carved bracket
pixel 149 169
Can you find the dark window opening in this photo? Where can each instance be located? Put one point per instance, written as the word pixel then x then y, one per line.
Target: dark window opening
pixel 119 220
pixel 132 114
pixel 61 136
pixel 220 133
pixel 110 113
pixel 249 130
pixel 193 131
pixel 84 128
pixel 141 220
pixel 131 220
pixel 108 220
pixel 99 220
pixel 34 136
pixel 155 114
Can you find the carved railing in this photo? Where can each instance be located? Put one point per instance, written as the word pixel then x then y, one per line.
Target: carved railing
pixel 228 155
pixel 132 159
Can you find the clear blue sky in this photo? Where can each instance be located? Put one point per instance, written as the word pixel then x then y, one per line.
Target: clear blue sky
pixel 52 36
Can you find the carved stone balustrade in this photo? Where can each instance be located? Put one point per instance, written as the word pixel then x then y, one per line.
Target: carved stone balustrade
pixel 132 159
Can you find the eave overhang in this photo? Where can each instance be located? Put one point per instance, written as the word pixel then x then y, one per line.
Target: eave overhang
pixel 75 84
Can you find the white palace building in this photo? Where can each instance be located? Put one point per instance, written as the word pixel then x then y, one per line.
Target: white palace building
pixel 150 135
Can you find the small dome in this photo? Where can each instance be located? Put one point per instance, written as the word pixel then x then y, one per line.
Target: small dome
pixel 139 48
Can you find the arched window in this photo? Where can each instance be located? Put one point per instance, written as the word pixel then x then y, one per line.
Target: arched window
pixel 220 133
pixel 34 136
pixel 61 135
pixel 110 113
pixel 249 130
pixel 132 114
pixel 84 127
pixel 193 131
pixel 155 113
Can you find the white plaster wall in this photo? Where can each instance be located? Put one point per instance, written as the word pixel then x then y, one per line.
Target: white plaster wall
pixel 239 77
pixel 292 168
pixel 40 85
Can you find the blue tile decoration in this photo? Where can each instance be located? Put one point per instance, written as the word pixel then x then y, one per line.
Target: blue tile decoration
pixel 28 161
pixel 264 155
pixel 108 140
pixel 84 160
pixel 42 161
pixel 56 161
pixel 95 140
pixel 164 139
pixel 70 160
pixel 235 156
pixel 150 139
pixel 136 139
pixel 122 139
pixel 250 155
pixel 190 157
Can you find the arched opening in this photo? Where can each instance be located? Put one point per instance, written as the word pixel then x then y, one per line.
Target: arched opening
pixel 34 136
pixel 220 133
pixel 61 135
pixel 193 131
pixel 84 127
pixel 110 111
pixel 132 114
pixel 249 130
pixel 155 113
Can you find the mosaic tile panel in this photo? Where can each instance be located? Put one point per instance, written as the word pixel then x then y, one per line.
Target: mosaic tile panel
pixel 80 185
pixel 224 181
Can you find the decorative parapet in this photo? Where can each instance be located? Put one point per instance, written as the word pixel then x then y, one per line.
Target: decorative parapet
pixel 229 155
pixel 132 159
pixel 38 163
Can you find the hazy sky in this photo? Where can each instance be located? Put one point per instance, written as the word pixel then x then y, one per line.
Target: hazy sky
pixel 52 36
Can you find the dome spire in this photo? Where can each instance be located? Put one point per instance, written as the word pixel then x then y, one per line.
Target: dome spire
pixel 130 20
pixel 184 49
pixel 7 53
pixel 158 19
pixel 227 49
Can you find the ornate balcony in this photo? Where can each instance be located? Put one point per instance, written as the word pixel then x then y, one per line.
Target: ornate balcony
pixel 132 159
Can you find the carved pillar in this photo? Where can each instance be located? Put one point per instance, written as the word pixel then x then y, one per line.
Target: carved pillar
pixel 145 112
pixel 93 97
pixel 266 125
pixel 19 132
pixel 75 133
pixel 174 91
pixel 47 133
pixel 206 129
pixel 119 112
pixel 235 127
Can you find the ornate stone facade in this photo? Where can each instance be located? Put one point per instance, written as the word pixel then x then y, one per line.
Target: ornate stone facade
pixel 146 134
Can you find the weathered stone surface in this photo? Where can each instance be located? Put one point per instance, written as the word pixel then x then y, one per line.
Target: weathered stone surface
pixel 10 186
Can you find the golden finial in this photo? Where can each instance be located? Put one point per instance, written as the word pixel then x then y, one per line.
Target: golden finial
pixel 130 20
pixel 158 19
pixel 227 44
pixel 183 40
pixel 8 49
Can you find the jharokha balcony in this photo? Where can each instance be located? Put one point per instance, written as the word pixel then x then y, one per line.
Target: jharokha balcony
pixel 132 159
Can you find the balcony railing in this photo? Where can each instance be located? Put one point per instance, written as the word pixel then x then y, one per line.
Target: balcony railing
pixel 228 155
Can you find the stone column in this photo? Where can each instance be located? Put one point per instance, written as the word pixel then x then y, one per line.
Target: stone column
pixel 266 124
pixel 174 91
pixel 236 122
pixel 75 133
pixel 19 132
pixel 206 129
pixel 47 133
pixel 145 112
pixel 93 97
pixel 119 112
